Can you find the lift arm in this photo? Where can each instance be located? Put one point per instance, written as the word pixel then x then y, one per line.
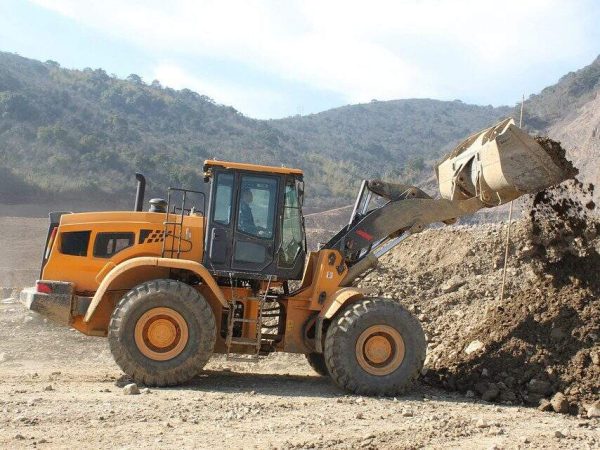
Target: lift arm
pixel 488 169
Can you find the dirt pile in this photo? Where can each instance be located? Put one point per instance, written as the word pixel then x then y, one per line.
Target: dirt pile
pixel 544 337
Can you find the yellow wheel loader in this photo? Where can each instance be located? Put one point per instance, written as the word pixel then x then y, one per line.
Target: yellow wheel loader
pixel 229 272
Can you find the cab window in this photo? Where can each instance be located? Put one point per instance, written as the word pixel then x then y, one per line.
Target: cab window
pixel 292 229
pixel 74 243
pixel 256 211
pixel 223 196
pixel 108 244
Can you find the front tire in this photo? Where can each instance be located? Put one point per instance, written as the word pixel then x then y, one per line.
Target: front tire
pixel 162 333
pixel 375 347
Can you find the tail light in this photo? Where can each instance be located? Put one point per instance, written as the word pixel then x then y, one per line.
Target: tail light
pixel 44 288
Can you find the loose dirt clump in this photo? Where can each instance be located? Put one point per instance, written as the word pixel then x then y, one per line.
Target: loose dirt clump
pixel 558 154
pixel 544 338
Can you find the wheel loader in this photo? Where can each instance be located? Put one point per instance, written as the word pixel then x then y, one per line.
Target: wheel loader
pixel 230 273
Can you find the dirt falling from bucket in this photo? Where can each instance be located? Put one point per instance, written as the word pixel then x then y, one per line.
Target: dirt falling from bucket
pixel 544 338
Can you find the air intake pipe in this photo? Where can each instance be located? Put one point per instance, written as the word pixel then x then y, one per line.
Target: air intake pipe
pixel 141 189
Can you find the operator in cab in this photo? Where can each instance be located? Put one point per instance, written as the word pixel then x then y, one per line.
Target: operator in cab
pixel 246 219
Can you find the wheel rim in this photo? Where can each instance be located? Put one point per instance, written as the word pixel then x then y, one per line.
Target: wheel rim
pixel 380 350
pixel 161 334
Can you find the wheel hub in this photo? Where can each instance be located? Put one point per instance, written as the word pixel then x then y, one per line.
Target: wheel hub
pixel 380 350
pixel 377 349
pixel 161 334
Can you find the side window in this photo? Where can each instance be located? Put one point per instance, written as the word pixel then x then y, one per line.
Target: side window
pixel 224 189
pixel 108 244
pixel 292 230
pixel 256 214
pixel 74 243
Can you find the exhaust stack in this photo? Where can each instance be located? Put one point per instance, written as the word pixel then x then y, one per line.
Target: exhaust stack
pixel 141 190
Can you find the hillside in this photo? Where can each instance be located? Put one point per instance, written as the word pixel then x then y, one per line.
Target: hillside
pixel 555 103
pixel 398 139
pixel 75 137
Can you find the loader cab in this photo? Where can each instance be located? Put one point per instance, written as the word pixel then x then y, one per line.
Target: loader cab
pixel 254 222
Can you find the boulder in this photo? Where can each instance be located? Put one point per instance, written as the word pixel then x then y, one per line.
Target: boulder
pixel 559 403
pixel 131 389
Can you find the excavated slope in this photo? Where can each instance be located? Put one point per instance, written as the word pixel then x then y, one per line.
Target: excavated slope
pixel 543 338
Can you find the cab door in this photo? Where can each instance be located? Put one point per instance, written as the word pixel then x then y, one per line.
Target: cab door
pixel 219 236
pixel 255 222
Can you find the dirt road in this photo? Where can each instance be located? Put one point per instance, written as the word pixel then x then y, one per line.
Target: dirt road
pixel 58 389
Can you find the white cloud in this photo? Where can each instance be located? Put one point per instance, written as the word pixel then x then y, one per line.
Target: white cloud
pixel 359 50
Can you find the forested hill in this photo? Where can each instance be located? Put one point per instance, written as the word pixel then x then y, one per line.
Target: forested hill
pixel 81 134
pixel 565 98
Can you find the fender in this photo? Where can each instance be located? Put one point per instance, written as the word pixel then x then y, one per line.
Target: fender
pixel 149 262
pixel 335 302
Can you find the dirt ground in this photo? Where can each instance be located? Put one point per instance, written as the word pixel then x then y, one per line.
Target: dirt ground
pixel 59 388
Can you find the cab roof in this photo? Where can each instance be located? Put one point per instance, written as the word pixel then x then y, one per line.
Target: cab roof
pixel 209 163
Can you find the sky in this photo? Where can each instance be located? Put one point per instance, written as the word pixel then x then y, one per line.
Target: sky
pixel 272 59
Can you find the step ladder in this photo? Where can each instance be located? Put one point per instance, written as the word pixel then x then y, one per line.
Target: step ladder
pixel 256 341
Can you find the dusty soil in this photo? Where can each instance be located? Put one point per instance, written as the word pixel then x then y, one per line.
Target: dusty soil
pixel 58 388
pixel 22 245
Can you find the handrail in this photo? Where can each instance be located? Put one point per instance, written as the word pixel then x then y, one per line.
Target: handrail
pixel 178 222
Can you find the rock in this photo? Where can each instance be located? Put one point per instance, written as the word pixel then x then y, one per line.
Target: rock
pixel 508 396
pixel 481 387
pixel 557 334
pixel 131 389
pixel 470 394
pixel 49 388
pixel 451 286
pixel 559 403
pixel 558 434
pixel 482 423
pixel 360 415
pixel 595 357
pixel 20 437
pixel 145 391
pixel 539 386
pixel 545 405
pixel 491 393
pixel 593 410
pixel 407 413
pixel 473 347
pixel 4 357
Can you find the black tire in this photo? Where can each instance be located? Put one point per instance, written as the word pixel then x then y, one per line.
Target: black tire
pixel 341 347
pixel 201 332
pixel 317 362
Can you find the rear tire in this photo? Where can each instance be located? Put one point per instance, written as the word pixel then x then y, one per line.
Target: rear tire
pixel 317 362
pixel 375 347
pixel 162 333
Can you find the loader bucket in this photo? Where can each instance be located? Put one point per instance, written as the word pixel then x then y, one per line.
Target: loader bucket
pixel 499 164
